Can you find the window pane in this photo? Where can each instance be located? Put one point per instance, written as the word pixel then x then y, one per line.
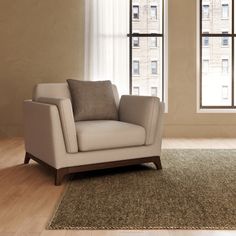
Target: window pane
pixel 153 42
pixel 136 67
pixel 150 16
pixel 216 73
pixel 216 16
pixel 135 12
pixel 150 68
pixel 206 40
pixel 135 41
pixel 153 12
pixel 154 91
pixel 135 90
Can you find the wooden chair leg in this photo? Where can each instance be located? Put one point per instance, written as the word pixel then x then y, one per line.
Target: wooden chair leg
pixel 157 163
pixel 27 158
pixel 59 175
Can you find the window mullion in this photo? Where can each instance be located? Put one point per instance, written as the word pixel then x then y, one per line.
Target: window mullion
pixel 232 55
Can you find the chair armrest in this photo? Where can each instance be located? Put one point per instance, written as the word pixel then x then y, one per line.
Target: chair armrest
pixel 43 133
pixel 143 111
pixel 67 121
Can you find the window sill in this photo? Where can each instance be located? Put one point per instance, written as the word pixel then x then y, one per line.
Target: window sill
pixel 213 111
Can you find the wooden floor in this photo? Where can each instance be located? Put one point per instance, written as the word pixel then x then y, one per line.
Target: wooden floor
pixel 28 195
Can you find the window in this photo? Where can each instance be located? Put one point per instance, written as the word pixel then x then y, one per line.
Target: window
pixel 136 67
pixel 225 92
pixel 153 42
pixel 205 66
pixel 225 39
pixel 135 12
pixel 135 42
pixel 154 67
pixel 225 66
pixel 154 91
pixel 225 11
pixel 136 91
pixel 206 40
pixel 147 63
pixel 217 72
pixel 154 12
pixel 205 10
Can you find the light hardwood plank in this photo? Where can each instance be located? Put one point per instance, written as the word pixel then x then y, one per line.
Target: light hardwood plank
pixel 28 195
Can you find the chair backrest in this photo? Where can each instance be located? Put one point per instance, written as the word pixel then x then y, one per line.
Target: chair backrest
pixel 60 90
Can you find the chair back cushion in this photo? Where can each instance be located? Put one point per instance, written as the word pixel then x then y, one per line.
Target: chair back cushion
pixel 93 100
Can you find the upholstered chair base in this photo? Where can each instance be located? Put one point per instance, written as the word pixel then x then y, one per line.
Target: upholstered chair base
pixel 61 173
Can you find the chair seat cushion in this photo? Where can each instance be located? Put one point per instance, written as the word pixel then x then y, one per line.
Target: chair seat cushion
pixel 107 134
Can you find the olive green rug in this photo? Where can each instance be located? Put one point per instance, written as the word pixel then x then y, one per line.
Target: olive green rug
pixel 195 190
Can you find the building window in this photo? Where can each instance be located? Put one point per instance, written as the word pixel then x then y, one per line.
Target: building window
pixel 136 67
pixel 135 12
pixel 217 65
pixel 206 40
pixel 135 42
pixel 205 11
pixel 225 92
pixel 225 39
pixel 154 12
pixel 154 67
pixel 225 66
pixel 135 91
pixel 147 63
pixel 153 42
pixel 225 11
pixel 154 91
pixel 205 66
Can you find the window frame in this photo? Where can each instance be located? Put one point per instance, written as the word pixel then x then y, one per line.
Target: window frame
pixel 231 36
pixel 160 35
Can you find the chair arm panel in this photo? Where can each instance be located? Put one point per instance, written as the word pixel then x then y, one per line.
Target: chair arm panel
pixel 43 133
pixel 67 121
pixel 143 111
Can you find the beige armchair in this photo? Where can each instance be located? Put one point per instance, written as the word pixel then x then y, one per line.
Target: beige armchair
pixel 52 138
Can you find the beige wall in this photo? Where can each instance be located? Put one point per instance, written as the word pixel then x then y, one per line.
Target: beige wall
pixel 182 119
pixel 42 41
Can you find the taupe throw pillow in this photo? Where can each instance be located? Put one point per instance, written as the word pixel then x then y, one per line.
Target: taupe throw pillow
pixel 92 100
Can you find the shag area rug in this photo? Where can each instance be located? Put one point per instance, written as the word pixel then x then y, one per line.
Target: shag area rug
pixel 195 190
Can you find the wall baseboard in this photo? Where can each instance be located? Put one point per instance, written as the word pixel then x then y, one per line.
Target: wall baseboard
pixel 200 131
pixel 11 131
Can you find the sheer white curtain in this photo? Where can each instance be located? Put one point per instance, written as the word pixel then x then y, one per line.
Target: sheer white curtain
pixel 106 42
